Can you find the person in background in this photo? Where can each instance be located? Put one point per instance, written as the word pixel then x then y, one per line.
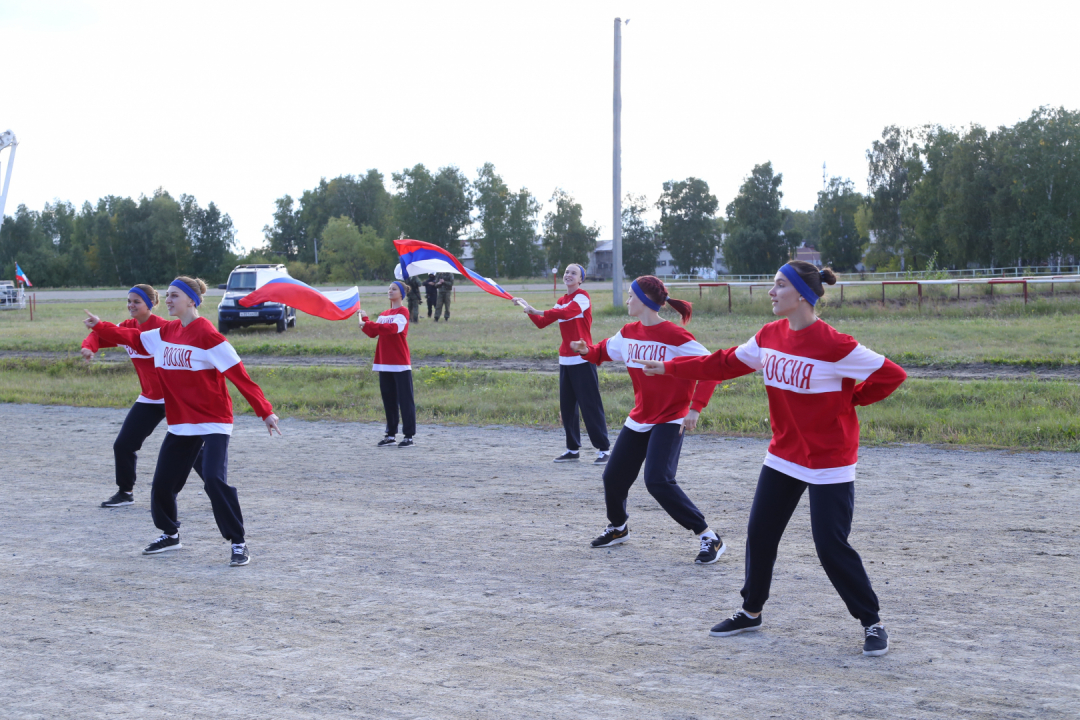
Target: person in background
pixel 431 293
pixel 579 384
pixel 394 366
pixel 444 284
pixel 413 283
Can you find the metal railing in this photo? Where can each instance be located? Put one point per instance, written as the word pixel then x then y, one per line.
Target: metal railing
pixel 1029 271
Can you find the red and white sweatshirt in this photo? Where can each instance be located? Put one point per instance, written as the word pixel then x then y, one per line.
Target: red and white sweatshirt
pixel 192 363
pixel 574 315
pixel 144 364
pixel 814 378
pixel 658 399
pixel 392 348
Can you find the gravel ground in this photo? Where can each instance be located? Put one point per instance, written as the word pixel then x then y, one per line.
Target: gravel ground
pixel 455 580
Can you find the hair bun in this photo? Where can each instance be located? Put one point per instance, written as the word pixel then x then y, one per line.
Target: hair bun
pixel 828 277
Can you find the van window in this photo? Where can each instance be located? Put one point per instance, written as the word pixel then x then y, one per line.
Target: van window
pixel 242 281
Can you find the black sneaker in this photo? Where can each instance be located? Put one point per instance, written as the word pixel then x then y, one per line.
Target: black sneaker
pixel 162 544
pixel 711 550
pixel 740 622
pixel 387 441
pixel 877 640
pixel 611 537
pixel 239 556
pixel 119 499
pixel 601 457
pixel 407 442
pixel 569 456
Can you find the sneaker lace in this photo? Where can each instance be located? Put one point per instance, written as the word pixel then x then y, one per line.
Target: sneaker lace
pixel 238 549
pixel 164 538
pixel 705 543
pixel 872 631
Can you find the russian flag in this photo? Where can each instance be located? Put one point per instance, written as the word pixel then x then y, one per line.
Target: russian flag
pixel 422 257
pixel 337 305
pixel 20 276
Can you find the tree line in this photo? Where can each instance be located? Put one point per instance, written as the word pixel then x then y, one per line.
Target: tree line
pixel 935 196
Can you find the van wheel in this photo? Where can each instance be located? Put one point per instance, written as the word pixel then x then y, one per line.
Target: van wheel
pixel 281 324
pixel 292 320
pixel 223 327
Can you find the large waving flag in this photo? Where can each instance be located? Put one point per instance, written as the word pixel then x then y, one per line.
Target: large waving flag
pixel 422 257
pixel 20 276
pixel 337 305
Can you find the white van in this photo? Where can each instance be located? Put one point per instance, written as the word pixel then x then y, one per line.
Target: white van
pixel 243 280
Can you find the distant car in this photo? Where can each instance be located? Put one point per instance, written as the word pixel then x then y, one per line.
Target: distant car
pixel 243 280
pixel 9 294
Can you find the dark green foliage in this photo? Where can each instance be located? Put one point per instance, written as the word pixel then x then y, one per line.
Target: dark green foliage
pixel 566 238
pixel 506 245
pixel 119 242
pixel 754 244
pixel 640 240
pixel 840 244
pixel 433 208
pixel 688 223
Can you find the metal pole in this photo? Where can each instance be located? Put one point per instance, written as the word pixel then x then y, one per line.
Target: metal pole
pixel 616 174
pixel 7 180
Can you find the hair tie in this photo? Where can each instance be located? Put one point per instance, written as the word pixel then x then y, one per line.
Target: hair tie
pixel 186 289
pixel 643 297
pixel 146 298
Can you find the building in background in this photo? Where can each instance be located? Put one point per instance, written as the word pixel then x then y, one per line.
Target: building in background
pixel 600 264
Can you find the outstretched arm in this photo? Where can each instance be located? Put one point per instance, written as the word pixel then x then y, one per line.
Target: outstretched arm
pixel 880 385
pixel 720 366
pixel 110 335
pixel 251 391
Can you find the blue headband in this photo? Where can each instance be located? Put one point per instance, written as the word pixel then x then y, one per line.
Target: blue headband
pixel 796 280
pixel 144 296
pixel 401 289
pixel 186 289
pixel 643 297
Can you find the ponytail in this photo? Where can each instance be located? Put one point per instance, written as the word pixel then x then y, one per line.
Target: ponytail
pixel 655 289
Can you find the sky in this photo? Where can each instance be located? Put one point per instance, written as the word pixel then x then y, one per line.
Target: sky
pixel 240 103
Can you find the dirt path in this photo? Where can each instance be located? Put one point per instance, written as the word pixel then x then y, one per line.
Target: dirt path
pixel 970 371
pixel 455 580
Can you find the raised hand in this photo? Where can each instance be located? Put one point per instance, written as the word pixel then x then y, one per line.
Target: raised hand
pixel 91 319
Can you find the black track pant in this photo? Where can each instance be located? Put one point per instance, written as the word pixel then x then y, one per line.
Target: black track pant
pixel 659 450
pixel 579 387
pixel 141 421
pixel 430 303
pixel 179 455
pixel 831 508
pixel 397 391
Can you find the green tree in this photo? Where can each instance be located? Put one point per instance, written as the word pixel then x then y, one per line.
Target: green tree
pixel 287 235
pixel 841 245
pixel 212 238
pixel 754 243
pixel 894 167
pixel 506 242
pixel 566 238
pixel 640 239
pixel 434 208
pixel 350 254
pixel 687 223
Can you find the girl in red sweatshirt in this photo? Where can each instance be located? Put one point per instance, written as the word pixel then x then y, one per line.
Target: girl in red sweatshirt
pixel 192 360
pixel 579 385
pixel 394 367
pixel 149 408
pixel 815 377
pixel 664 408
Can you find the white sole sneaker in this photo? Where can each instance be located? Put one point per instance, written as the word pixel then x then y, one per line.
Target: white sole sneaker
pixel 721 551
pixel 177 546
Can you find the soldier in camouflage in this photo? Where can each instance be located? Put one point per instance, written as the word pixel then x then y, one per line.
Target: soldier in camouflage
pixel 413 283
pixel 444 284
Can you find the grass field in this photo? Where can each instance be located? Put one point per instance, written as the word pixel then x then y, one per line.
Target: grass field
pixel 1021 413
pixel 1006 332
pixel 1026 414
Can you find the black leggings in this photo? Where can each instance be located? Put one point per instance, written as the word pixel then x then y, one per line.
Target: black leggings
pixel 397 391
pixel 579 387
pixel 209 456
pixel 831 509
pixel 141 421
pixel 659 450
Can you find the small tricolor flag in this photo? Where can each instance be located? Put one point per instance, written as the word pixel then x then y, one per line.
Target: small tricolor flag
pixel 335 305
pixel 20 276
pixel 422 257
